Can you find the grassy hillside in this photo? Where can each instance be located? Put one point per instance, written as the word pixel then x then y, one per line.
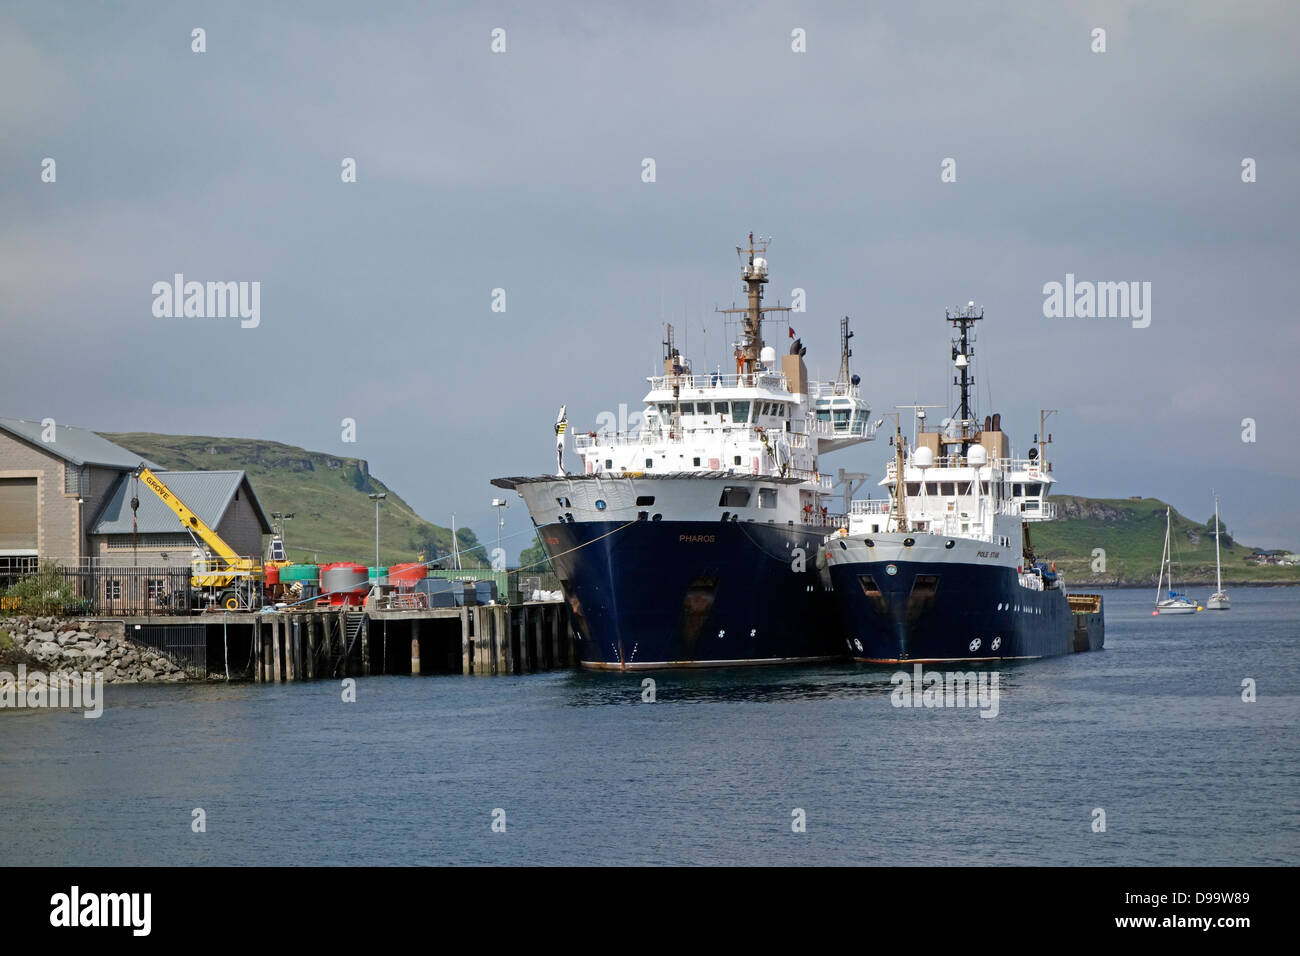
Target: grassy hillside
pixel 1132 533
pixel 333 519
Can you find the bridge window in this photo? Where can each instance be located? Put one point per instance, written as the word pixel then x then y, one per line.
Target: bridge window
pixel 1018 489
pixel 932 488
pixel 767 497
pixel 823 414
pixel 947 489
pixel 734 498
pixel 1034 490
pixel 740 412
pixel 688 408
pixel 704 408
pixel 913 488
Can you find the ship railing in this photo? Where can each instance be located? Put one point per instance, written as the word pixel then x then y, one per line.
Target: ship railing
pixel 818 390
pixel 867 506
pixel 715 380
pixel 657 436
pixel 1031 467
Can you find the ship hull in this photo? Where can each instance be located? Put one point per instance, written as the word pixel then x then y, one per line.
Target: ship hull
pixel 647 595
pixel 973 612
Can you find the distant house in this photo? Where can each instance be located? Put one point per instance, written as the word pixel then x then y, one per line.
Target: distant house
pixel 223 500
pixel 65 495
pixel 1272 556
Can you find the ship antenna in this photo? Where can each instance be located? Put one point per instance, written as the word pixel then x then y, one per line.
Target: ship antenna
pixel 845 351
pixel 962 353
pixel 753 270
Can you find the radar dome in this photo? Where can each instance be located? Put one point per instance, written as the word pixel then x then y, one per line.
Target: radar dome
pixel 977 456
pixel 923 457
pixel 768 355
pixel 760 265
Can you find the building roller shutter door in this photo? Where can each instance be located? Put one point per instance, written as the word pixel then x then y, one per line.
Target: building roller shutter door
pixel 17 514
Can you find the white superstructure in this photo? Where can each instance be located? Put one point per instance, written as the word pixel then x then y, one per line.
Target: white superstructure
pixel 753 437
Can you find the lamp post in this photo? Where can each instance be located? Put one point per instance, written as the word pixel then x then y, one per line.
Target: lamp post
pixel 500 504
pixel 376 498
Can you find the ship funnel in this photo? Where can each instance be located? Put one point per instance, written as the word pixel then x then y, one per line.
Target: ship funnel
pixel 997 421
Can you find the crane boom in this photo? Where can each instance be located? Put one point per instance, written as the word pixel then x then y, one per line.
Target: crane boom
pixel 189 519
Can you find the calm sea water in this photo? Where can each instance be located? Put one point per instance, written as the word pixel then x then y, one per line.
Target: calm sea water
pixel 1152 730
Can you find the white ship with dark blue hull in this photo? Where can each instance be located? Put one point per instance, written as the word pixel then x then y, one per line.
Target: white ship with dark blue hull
pixel 691 541
pixel 944 568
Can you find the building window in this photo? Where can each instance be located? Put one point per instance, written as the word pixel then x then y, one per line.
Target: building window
pixel 151 542
pixel 76 480
pixel 113 590
pixel 157 588
pixel 14 568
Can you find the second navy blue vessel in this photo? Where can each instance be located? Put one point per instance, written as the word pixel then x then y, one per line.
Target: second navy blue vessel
pixel 943 568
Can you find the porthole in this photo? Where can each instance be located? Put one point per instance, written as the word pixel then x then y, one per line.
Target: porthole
pixel 868 542
pixel 844 546
pixel 891 569
pixel 908 542
pixel 950 544
pixel 657 517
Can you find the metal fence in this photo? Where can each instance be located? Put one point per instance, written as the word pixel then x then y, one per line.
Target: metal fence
pixel 187 644
pixel 115 592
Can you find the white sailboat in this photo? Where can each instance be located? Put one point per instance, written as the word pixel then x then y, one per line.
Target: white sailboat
pixel 1176 602
pixel 1218 601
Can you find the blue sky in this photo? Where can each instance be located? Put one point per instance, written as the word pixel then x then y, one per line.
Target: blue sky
pixel 522 170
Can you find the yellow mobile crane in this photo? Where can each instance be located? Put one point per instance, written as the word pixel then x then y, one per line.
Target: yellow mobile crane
pixel 235 580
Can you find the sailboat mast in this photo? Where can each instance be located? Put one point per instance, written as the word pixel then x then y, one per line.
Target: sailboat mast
pixel 1164 552
pixel 1218 571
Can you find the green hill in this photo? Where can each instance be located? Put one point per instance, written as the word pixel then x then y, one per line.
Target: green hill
pixel 333 519
pixel 1132 533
